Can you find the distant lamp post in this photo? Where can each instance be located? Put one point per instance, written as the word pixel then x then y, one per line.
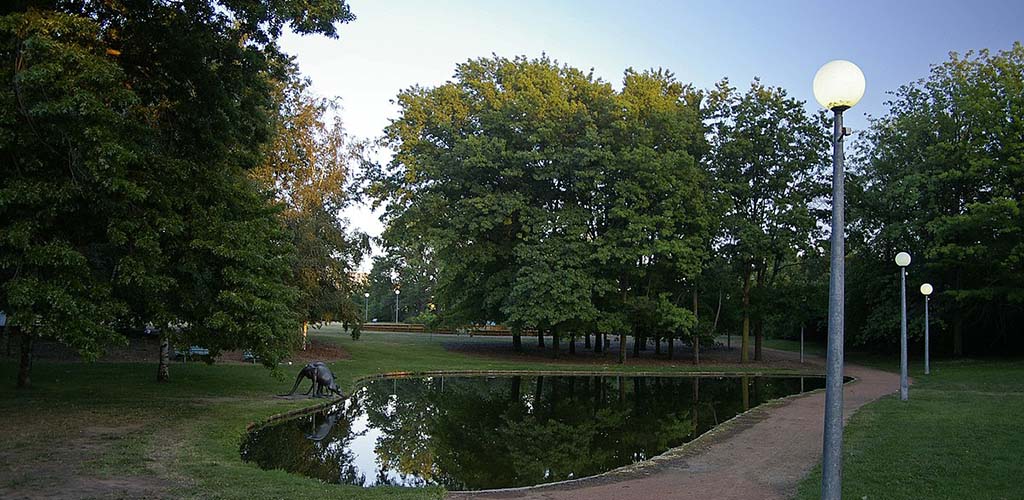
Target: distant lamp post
pixel 838 86
pixel 397 291
pixel 903 260
pixel 926 290
pixel 366 307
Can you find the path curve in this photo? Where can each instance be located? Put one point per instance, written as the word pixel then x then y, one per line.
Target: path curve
pixel 762 454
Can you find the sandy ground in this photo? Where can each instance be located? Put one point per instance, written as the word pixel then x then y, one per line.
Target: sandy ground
pixel 762 454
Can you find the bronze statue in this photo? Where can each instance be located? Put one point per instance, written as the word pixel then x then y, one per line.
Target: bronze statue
pixel 322 378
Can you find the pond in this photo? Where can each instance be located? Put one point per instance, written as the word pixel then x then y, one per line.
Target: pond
pixel 472 433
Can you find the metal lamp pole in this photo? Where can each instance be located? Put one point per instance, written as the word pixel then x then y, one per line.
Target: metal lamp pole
pixel 903 260
pixel 366 307
pixel 838 86
pixel 926 290
pixel 396 304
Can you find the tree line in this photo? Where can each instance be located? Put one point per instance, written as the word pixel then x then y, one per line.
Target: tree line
pixel 541 197
pixel 165 166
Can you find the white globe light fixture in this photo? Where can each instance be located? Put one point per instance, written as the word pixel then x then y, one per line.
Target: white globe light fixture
pixel 838 86
pixel 903 259
pixel 366 307
pixel 926 290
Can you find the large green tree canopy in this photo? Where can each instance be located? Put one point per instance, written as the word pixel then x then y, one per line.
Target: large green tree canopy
pixel 941 175
pixel 128 132
pixel 548 199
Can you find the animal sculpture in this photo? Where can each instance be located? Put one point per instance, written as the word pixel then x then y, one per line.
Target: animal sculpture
pixel 322 378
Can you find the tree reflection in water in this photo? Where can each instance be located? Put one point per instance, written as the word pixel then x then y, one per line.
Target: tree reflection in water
pixel 468 433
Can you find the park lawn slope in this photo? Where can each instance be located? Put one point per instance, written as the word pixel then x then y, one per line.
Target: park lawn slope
pixel 959 436
pixel 108 429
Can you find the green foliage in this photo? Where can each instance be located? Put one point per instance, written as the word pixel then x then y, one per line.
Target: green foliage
pixel 545 198
pixel 411 272
pixel 70 137
pixel 768 157
pixel 940 176
pixel 307 166
pixel 130 129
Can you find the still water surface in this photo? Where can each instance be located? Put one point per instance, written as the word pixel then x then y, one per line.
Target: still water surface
pixel 471 433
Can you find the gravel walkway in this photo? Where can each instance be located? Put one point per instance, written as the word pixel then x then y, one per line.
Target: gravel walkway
pixel 762 454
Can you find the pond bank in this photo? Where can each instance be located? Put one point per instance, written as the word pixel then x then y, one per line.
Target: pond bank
pixel 762 454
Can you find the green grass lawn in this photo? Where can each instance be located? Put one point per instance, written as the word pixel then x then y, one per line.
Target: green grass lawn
pixel 959 436
pixel 810 348
pixel 111 424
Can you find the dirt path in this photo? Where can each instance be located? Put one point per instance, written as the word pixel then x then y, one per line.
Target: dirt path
pixel 762 454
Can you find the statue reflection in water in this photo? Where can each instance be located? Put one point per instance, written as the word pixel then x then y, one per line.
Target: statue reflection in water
pixel 317 445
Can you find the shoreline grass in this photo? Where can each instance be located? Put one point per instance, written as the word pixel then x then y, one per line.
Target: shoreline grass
pixel 181 438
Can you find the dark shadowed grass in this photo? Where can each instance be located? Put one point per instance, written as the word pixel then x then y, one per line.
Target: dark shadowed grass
pixel 82 424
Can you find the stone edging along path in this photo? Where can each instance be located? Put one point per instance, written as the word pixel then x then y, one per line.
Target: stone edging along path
pixel 760 454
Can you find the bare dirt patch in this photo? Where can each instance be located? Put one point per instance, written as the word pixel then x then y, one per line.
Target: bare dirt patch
pixel 54 457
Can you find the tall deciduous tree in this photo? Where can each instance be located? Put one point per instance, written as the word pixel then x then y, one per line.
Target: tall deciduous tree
pixel 71 138
pixel 136 124
pixel 653 211
pixel 941 175
pixel 485 172
pixel 768 156
pixel 307 167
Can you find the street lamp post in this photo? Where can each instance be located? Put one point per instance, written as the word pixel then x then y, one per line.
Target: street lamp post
pixel 397 291
pixel 903 260
pixel 838 86
pixel 926 290
pixel 366 307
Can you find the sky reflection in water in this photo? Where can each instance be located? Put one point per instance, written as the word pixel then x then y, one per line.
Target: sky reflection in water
pixel 470 433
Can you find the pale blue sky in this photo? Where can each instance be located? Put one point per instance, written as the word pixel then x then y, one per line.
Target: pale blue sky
pixel 395 44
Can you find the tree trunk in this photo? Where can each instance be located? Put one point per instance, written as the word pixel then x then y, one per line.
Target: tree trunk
pixel 598 343
pixel 514 393
pixel 622 348
pixel 657 345
pixel 759 322
pixel 572 344
pixel 25 365
pixel 745 339
pixel 758 339
pixel 540 338
pixel 517 338
pixel 163 366
pixel 555 341
pixel 671 346
pixel 696 332
pixel 636 345
pixel 586 340
pixel 305 334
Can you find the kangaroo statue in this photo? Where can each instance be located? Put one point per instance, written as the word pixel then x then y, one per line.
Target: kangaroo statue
pixel 322 379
